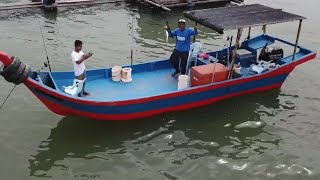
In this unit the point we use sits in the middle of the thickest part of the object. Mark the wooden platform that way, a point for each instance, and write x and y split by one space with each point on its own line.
167 4
59 3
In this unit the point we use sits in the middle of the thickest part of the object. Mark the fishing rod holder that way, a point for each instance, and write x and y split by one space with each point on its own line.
45 64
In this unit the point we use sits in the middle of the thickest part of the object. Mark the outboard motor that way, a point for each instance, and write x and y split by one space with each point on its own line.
271 54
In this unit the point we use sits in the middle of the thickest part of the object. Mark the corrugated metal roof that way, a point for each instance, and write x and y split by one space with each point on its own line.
228 18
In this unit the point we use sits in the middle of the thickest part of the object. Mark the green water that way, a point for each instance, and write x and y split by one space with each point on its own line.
203 143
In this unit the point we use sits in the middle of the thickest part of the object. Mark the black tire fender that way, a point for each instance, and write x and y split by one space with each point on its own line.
11 69
13 77
23 76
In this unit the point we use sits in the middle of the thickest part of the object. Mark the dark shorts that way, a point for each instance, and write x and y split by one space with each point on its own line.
179 60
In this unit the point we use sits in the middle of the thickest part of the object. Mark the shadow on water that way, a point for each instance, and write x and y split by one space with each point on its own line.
201 128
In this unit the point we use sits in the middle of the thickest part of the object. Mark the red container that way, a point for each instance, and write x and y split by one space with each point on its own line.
203 74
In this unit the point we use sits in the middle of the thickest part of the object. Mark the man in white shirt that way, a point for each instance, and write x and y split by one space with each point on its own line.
78 58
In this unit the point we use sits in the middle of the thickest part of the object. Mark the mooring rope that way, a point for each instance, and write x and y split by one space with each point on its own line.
4 102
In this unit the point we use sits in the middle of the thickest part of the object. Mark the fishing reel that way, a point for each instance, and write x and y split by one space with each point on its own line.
45 64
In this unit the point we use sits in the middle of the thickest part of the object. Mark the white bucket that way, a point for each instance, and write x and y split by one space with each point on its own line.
237 69
126 75
183 81
116 73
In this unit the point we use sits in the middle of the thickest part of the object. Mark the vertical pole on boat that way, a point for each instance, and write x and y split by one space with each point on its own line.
194 37
214 67
131 54
229 48
297 40
264 29
235 52
249 33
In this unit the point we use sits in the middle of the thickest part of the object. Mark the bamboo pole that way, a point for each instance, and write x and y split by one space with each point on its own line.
235 52
214 67
297 40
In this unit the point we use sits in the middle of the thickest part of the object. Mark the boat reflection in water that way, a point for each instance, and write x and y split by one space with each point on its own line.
79 145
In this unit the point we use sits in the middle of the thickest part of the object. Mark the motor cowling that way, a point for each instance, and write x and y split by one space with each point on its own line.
271 54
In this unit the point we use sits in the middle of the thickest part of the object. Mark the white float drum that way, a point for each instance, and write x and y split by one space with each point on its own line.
126 75
116 73
183 81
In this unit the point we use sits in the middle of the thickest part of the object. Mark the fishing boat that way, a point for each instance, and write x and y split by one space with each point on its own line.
152 90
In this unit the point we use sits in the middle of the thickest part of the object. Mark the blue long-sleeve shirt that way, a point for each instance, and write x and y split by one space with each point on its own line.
183 38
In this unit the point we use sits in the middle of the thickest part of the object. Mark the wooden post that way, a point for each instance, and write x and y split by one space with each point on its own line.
297 40
235 52
264 29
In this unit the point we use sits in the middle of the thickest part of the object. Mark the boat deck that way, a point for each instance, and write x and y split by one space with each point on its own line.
144 84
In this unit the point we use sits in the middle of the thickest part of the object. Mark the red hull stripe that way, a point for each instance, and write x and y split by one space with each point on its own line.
62 110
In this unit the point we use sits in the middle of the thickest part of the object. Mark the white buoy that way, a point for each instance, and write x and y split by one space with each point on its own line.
116 73
126 75
183 81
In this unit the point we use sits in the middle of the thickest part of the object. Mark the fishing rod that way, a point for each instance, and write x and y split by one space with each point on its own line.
131 55
45 48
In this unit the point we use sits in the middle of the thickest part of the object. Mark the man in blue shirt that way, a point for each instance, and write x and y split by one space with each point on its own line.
182 48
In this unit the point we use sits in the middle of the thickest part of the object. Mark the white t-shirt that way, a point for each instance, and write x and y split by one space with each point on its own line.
78 68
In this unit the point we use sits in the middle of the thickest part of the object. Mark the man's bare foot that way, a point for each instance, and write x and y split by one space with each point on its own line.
86 93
